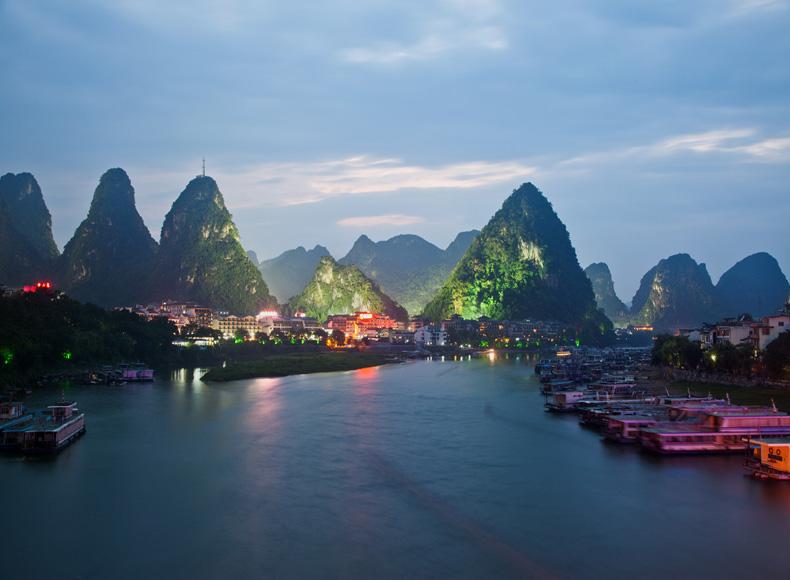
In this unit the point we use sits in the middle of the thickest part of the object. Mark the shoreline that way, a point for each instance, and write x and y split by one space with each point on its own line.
283 365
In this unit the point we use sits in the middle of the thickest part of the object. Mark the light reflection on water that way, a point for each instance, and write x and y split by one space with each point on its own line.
425 469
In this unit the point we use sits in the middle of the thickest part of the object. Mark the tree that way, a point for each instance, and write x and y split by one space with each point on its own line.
241 334
777 357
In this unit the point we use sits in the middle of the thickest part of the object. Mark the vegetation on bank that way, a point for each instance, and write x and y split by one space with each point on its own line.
281 365
753 395
50 333
725 359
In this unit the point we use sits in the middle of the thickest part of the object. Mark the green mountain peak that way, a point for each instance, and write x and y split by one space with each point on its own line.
201 257
339 289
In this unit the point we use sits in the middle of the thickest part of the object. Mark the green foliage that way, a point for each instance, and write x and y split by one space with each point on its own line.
295 363
676 352
201 257
777 357
337 289
407 267
289 273
41 333
522 265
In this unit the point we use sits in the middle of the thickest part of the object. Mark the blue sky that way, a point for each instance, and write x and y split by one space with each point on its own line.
653 127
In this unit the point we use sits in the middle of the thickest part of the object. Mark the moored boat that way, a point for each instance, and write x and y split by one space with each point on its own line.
769 459
47 431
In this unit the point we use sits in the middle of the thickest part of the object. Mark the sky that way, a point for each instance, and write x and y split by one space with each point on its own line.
653 127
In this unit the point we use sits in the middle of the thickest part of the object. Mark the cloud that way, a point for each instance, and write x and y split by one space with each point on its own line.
743 143
455 25
369 221
286 184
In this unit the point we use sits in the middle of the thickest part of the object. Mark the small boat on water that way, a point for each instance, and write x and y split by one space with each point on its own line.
769 459
47 431
136 373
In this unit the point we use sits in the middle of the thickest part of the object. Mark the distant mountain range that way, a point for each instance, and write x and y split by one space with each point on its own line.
678 292
289 273
407 267
521 265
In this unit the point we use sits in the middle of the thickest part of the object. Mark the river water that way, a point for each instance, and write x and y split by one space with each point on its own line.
427 469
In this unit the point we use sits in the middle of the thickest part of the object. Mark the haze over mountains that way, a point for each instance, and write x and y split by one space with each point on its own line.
521 265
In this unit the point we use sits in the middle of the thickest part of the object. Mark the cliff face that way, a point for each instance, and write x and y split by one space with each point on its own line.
110 258
20 261
407 267
677 292
201 257
605 295
338 289
289 273
756 285
522 265
28 213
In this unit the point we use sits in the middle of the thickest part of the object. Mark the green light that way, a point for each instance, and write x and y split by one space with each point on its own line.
578 342
238 340
7 355
67 355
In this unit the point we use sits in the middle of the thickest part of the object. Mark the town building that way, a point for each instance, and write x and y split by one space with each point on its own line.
430 336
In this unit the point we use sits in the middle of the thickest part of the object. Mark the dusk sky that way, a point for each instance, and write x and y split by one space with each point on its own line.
653 127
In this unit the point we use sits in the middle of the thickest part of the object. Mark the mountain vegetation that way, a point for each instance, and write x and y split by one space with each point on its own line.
24 204
522 265
605 295
755 285
201 257
407 267
109 260
677 292
289 273
41 333
339 289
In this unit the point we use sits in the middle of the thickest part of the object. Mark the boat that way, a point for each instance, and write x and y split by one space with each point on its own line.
769 459
45 432
724 430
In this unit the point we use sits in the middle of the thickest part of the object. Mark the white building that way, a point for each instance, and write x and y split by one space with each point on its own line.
430 336
771 327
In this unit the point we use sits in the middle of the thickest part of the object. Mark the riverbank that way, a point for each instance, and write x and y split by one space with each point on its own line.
296 364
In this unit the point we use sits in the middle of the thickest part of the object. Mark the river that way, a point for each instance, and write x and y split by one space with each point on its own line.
427 469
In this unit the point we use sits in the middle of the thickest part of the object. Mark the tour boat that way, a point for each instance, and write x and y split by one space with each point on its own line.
47 431
724 430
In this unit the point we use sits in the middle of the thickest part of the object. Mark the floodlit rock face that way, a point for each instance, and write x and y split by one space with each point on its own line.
756 285
676 293
29 215
110 258
338 289
289 273
522 265
605 295
201 257
407 267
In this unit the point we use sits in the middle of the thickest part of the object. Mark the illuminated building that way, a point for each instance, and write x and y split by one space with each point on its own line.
430 336
362 325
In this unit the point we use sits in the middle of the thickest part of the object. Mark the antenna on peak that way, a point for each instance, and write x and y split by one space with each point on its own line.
204 167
